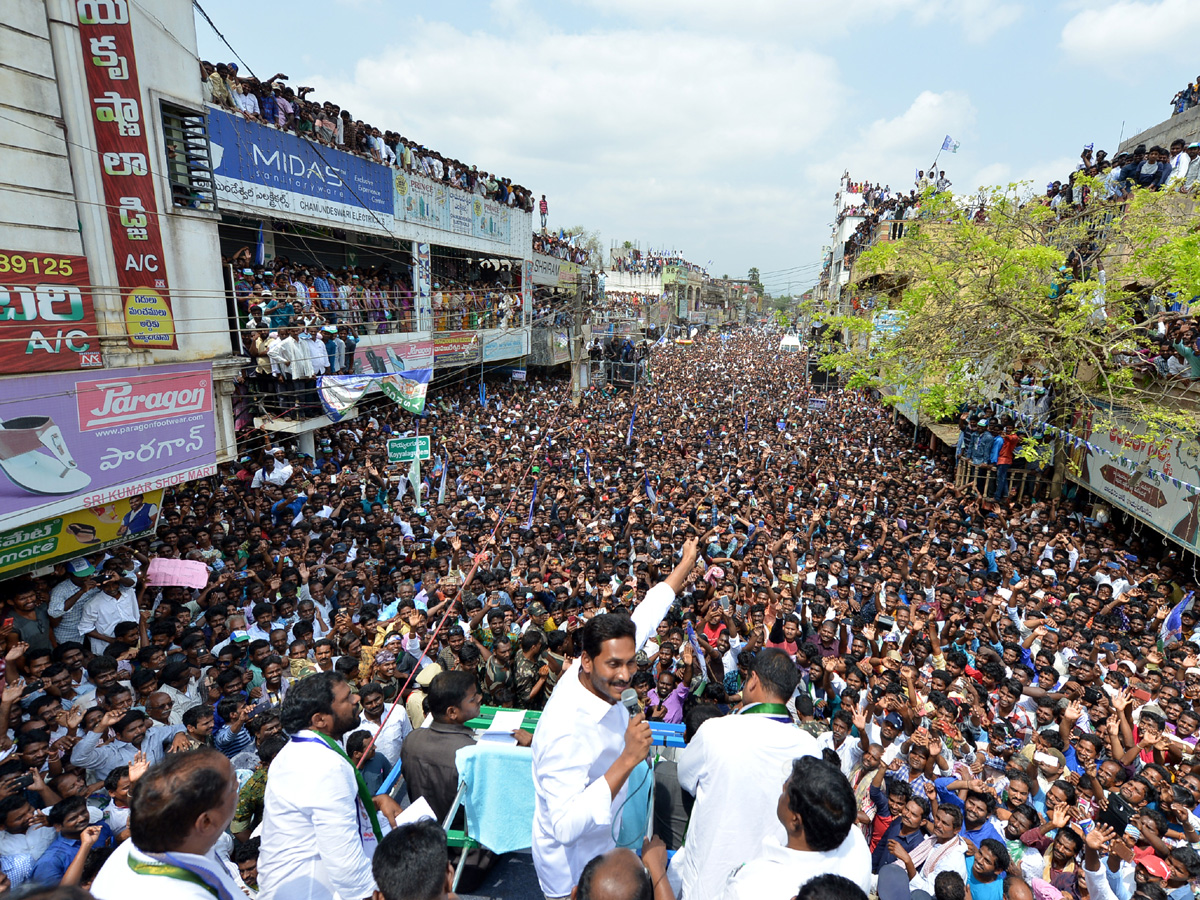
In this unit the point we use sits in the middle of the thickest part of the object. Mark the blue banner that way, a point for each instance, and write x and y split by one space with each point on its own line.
264 168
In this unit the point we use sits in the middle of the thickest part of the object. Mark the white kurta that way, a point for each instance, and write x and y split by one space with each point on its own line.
850 753
395 730
735 767
578 737
313 845
116 881
777 872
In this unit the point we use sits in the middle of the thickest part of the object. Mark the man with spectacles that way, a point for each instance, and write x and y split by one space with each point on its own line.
158 707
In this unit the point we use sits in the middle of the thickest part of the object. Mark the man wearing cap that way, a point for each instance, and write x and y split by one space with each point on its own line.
335 349
1148 869
538 618
70 597
1192 174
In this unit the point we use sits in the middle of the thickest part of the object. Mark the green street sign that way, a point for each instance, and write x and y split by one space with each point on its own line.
402 450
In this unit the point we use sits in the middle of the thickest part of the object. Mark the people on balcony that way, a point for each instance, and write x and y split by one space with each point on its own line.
272 102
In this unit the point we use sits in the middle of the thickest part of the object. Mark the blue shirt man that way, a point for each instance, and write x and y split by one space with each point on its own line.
977 809
69 817
981 453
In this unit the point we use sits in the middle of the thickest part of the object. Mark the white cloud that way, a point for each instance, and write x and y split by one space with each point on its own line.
1119 33
889 151
979 19
1037 174
674 138
772 20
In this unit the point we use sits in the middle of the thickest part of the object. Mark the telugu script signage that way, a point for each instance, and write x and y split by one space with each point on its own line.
88 439
265 168
75 534
402 450
456 348
115 98
47 321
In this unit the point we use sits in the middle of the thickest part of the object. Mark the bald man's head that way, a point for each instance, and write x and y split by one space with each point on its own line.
1017 889
615 875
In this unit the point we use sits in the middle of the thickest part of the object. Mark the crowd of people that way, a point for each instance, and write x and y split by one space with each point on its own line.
884 207
302 320
562 246
652 262
622 305
1155 168
274 103
1186 98
283 293
887 683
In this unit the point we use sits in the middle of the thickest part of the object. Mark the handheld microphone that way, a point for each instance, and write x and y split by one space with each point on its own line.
630 701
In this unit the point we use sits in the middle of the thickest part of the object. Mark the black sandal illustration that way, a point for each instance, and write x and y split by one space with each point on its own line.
23 441
85 534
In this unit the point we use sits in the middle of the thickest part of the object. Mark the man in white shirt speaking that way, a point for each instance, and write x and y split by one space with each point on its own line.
586 745
732 767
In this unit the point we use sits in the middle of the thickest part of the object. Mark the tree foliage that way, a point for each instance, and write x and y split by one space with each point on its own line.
1072 298
755 282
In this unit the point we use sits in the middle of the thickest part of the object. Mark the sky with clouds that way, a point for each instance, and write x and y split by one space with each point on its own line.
721 129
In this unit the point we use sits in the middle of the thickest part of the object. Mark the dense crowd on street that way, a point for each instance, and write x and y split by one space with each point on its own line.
274 103
886 683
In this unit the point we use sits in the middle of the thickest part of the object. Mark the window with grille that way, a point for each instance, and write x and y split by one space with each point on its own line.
189 163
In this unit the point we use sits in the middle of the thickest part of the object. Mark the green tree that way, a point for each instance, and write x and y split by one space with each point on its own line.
755 282
1071 298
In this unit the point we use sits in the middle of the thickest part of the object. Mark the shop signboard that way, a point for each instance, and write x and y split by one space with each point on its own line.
568 273
87 439
47 321
500 343
262 168
1155 481
456 348
545 270
79 533
397 355
126 176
